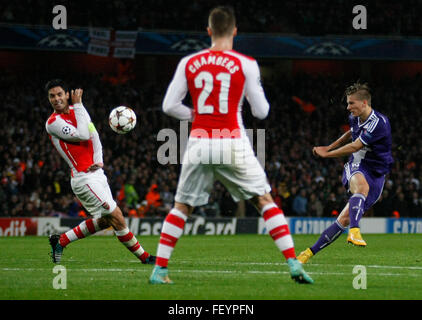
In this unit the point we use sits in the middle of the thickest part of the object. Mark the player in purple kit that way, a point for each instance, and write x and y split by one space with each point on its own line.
364 174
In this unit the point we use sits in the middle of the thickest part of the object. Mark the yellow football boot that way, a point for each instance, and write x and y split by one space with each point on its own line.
355 238
305 256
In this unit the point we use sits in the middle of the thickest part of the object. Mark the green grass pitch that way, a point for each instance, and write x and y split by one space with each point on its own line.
238 267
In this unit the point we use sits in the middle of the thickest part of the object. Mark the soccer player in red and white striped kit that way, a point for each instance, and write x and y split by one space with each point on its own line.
217 79
74 136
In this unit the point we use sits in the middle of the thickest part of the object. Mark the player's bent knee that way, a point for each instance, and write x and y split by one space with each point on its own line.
104 222
184 208
117 221
361 190
261 201
358 184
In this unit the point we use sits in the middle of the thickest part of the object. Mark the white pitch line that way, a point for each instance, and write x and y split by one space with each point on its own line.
283 263
368 266
207 271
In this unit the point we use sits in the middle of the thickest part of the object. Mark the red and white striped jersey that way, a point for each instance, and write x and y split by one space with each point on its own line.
75 138
217 82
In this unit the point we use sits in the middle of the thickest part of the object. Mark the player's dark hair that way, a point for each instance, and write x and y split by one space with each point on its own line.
361 90
56 83
222 21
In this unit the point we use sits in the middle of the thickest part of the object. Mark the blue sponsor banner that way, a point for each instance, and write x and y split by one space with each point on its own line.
256 45
309 225
404 225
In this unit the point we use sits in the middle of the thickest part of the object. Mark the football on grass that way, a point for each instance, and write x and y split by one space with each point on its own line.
122 119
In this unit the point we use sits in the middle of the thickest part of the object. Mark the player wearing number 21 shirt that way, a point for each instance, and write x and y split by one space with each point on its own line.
218 79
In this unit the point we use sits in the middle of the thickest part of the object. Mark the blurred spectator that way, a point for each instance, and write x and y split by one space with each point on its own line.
212 208
384 206
131 196
415 205
401 205
229 206
332 206
285 197
31 210
142 210
276 196
167 197
74 207
154 201
316 208
300 203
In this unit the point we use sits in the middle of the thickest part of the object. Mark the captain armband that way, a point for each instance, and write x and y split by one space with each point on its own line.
91 128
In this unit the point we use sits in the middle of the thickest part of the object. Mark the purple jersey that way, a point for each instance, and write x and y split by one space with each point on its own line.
375 134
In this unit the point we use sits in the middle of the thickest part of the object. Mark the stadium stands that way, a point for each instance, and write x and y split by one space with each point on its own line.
292 16
35 181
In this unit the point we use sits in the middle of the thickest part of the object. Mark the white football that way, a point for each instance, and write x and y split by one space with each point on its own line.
122 119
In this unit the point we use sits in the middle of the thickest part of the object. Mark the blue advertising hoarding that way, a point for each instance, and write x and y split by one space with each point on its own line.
404 225
257 45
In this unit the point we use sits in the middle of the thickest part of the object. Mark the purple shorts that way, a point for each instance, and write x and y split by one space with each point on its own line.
375 182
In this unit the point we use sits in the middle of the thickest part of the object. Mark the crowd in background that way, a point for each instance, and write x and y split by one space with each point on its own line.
387 17
35 181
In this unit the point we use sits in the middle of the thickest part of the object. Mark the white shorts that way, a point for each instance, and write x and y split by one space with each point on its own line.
94 193
230 161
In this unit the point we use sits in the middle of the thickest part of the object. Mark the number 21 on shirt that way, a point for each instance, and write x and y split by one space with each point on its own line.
205 81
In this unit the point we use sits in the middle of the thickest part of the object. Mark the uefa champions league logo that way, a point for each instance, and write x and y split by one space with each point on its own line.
66 130
189 45
328 49
60 40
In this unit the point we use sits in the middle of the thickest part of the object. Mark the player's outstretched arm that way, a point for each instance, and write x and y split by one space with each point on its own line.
77 95
81 115
322 150
346 150
86 123
345 138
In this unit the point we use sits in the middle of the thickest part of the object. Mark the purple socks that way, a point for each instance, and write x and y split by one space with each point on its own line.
328 236
356 209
